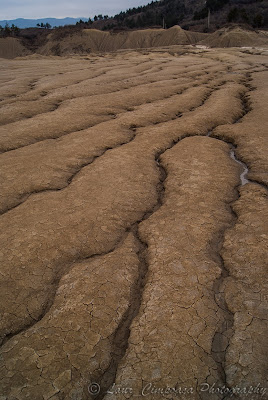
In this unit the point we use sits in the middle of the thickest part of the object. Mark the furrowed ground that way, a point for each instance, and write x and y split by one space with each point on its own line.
133 257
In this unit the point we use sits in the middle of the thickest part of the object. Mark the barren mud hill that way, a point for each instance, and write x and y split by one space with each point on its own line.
11 48
95 40
91 40
134 225
235 37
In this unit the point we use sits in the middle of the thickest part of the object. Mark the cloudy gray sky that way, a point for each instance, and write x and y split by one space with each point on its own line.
10 9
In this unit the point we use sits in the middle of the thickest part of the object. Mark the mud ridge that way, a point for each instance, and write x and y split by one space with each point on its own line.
246 104
55 284
56 281
160 189
122 333
134 308
61 101
120 340
86 127
222 337
218 344
121 337
73 176
133 128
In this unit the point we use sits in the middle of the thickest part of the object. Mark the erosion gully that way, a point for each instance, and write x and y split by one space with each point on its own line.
121 336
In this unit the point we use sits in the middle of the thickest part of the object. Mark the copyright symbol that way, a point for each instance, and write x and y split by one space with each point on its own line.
94 389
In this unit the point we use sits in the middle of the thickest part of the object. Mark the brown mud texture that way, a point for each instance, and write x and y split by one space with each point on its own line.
133 256
87 41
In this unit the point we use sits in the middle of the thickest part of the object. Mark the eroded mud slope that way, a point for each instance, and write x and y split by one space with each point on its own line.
133 261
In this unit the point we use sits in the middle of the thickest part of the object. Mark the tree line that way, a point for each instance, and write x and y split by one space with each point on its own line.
8 31
45 26
168 13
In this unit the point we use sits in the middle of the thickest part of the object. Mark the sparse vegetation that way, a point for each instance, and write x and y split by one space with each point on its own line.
241 15
158 14
8 31
42 25
171 12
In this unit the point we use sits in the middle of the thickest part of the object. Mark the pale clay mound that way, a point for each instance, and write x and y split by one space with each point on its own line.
132 260
236 37
92 40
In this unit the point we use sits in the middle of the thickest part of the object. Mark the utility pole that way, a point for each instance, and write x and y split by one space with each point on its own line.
208 22
208 17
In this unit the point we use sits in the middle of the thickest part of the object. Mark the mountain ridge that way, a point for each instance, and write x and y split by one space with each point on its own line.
196 15
23 23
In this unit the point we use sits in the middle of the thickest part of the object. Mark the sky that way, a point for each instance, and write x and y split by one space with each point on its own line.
11 9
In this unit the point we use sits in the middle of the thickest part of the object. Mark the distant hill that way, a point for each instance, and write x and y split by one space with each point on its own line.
92 40
194 15
31 23
198 15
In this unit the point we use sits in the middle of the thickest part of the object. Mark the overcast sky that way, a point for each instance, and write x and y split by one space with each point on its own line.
11 9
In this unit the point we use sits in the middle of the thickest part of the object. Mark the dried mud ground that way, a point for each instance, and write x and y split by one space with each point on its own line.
133 256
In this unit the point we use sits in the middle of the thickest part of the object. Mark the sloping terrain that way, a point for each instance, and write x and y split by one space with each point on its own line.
190 14
11 48
235 37
92 40
133 257
87 41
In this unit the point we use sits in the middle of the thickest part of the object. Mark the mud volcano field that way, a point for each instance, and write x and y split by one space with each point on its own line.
134 225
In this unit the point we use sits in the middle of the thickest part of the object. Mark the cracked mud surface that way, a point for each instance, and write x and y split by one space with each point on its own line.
132 255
